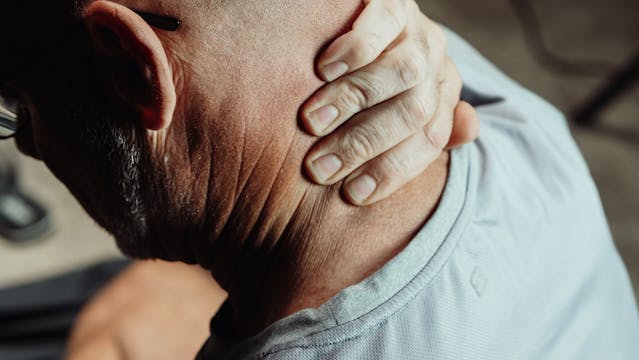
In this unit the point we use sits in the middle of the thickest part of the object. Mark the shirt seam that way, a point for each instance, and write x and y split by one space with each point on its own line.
466 208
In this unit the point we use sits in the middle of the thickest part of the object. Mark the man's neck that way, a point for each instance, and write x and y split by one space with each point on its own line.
324 246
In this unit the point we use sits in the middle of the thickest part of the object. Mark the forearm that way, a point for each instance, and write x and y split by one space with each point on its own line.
132 316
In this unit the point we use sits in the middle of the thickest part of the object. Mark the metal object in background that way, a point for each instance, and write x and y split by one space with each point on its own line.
8 121
22 219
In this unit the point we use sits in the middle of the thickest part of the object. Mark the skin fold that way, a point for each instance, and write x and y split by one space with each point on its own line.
187 146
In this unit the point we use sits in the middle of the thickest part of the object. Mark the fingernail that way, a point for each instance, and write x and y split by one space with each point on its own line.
361 188
334 70
327 166
323 117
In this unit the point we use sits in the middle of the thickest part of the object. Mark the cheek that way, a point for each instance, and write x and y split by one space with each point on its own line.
59 150
51 139
75 138
53 131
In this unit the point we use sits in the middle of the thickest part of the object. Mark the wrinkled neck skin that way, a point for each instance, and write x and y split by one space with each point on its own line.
240 204
273 240
293 245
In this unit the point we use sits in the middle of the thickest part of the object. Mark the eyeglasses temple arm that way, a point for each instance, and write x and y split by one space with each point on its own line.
166 23
7 119
7 123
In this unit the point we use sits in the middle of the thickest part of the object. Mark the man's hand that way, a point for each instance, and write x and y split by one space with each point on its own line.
392 75
153 310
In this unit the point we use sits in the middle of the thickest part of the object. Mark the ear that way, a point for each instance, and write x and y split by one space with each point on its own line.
137 60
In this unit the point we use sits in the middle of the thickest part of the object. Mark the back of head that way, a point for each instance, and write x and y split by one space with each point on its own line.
240 70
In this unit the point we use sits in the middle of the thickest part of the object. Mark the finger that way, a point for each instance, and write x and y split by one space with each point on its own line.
465 126
395 72
386 174
380 178
439 129
379 24
375 131
371 133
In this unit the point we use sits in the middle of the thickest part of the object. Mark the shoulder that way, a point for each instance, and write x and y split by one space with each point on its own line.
523 139
538 230
520 113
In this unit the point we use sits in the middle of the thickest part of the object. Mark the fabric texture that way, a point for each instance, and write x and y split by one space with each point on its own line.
516 263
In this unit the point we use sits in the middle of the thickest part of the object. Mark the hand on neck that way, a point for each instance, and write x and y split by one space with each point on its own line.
306 251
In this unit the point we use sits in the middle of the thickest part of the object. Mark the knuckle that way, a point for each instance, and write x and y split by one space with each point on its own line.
440 36
361 92
436 139
394 167
414 113
434 42
367 48
423 44
395 10
452 76
411 69
358 146
353 95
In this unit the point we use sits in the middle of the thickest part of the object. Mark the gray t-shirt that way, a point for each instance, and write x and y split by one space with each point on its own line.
516 263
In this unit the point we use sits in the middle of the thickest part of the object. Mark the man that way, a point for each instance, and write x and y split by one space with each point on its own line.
478 257
381 23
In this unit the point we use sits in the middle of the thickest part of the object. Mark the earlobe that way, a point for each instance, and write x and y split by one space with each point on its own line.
137 59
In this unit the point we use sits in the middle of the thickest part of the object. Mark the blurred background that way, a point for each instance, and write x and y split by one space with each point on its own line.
566 51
